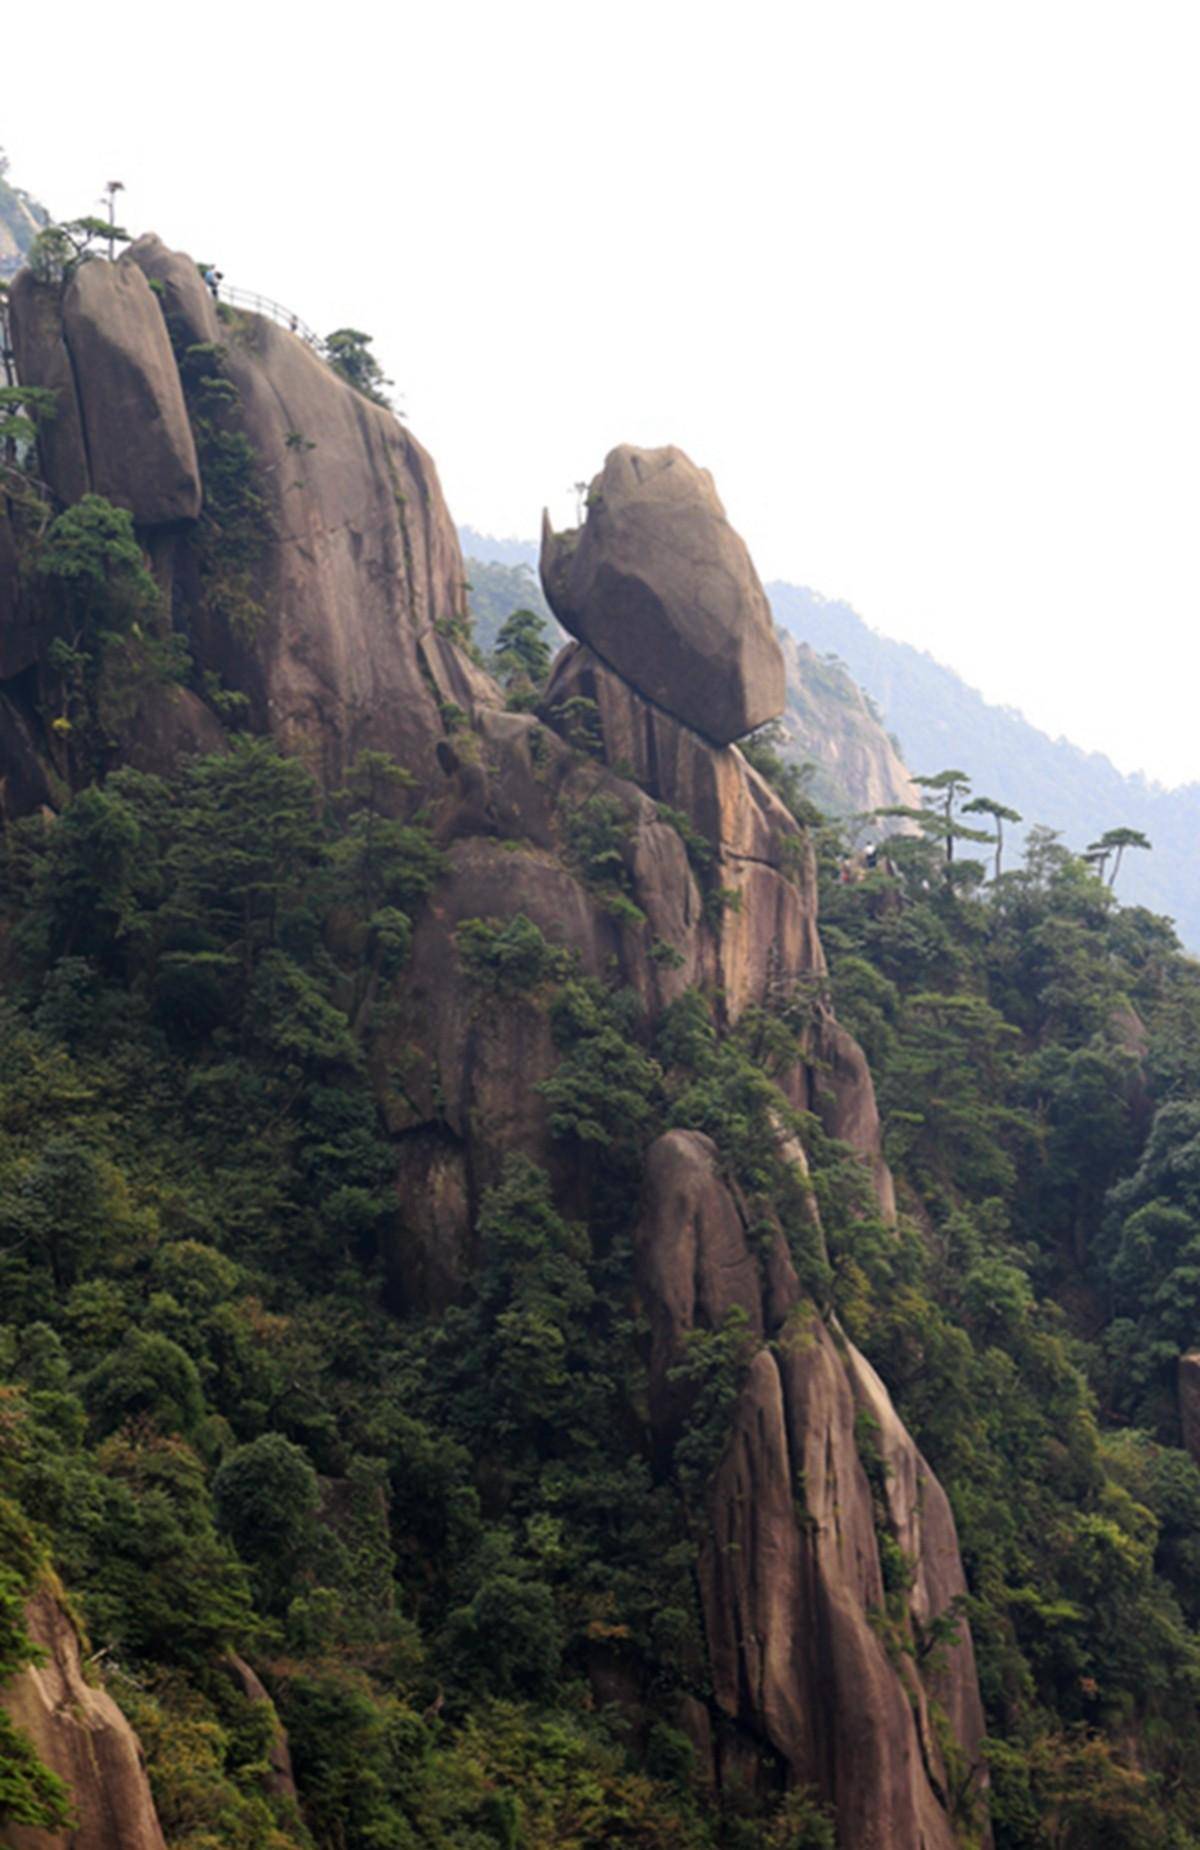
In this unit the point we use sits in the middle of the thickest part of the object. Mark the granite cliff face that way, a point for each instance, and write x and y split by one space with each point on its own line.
80 1734
329 617
828 722
355 584
790 1575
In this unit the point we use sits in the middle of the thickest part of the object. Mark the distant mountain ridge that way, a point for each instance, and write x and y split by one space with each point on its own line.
21 218
940 721
937 720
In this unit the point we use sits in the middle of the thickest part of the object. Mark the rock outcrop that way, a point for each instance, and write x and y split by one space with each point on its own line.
80 1734
121 426
280 1778
792 1585
140 448
334 613
36 325
661 587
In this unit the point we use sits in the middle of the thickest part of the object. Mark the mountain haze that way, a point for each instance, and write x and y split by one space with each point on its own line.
940 721
21 218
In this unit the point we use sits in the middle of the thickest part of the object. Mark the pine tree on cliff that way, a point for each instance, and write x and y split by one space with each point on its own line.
1115 841
1000 814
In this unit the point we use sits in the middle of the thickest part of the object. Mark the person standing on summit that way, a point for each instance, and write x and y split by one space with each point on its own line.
212 277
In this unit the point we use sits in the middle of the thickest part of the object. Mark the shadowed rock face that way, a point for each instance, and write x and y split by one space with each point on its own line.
662 588
121 428
42 359
80 1734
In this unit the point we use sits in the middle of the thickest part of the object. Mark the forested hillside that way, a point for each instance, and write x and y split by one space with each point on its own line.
1036 1048
482 1362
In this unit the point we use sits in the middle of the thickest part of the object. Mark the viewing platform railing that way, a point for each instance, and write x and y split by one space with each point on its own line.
263 305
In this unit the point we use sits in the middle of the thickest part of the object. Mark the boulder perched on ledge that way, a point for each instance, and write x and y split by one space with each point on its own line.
660 586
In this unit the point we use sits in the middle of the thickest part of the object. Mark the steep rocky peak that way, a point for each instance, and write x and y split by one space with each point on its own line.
327 594
21 218
657 582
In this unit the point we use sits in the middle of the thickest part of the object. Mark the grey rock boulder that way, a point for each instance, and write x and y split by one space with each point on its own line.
660 586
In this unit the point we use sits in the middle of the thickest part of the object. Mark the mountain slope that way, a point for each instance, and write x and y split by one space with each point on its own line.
21 218
364 1033
941 721
830 724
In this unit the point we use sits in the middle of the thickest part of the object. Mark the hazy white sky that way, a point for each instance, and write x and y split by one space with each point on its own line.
918 282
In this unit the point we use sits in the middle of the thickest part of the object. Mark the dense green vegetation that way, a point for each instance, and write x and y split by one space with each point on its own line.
1035 1049
437 1535
215 1418
231 1436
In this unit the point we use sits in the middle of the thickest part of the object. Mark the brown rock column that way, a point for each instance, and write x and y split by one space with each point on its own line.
43 360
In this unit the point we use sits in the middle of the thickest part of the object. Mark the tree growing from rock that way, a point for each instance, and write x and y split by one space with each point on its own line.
348 351
522 658
59 249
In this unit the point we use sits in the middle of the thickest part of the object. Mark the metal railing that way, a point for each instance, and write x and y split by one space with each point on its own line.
275 311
